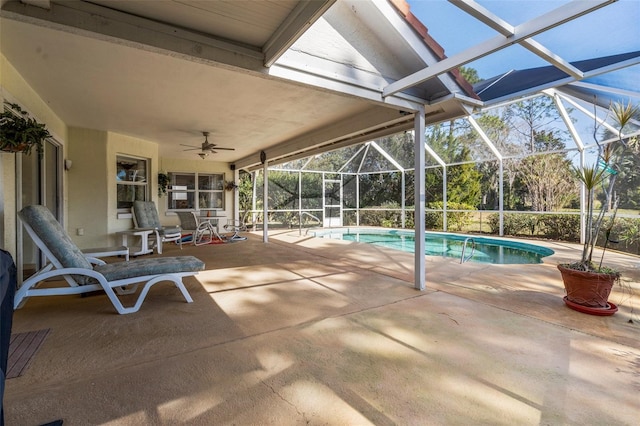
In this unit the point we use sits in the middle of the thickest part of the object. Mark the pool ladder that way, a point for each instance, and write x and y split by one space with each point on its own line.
464 249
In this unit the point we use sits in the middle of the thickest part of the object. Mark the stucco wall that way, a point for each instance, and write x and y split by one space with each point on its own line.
14 88
191 166
88 187
126 145
90 184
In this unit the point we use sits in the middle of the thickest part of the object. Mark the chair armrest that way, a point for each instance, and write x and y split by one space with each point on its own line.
95 260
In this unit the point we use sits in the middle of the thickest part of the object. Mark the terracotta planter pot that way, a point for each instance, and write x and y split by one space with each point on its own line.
14 149
587 288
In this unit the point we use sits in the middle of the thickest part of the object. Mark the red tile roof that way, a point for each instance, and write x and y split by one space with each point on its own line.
405 10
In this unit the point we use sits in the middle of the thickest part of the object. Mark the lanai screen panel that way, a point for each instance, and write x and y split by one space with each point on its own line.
400 147
375 162
535 125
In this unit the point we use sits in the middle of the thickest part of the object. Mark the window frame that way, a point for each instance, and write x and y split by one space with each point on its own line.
194 185
132 180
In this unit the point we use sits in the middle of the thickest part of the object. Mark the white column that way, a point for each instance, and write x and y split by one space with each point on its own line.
236 197
444 199
265 202
299 203
403 216
358 199
419 142
501 201
583 204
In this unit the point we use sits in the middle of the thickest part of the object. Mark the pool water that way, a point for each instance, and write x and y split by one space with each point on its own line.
487 250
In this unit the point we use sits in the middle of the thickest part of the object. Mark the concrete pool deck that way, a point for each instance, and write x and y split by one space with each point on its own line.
317 331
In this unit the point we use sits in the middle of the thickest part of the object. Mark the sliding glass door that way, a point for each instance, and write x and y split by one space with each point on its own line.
39 181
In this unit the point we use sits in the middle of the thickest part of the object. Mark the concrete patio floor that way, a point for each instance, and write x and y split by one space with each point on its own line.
315 331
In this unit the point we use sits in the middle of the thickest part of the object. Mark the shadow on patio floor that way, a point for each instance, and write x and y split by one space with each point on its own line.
312 331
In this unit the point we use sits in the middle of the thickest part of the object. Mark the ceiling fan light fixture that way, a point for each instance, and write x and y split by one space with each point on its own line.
206 147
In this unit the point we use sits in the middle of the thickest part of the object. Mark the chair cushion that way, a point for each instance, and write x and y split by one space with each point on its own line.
170 231
146 214
187 220
155 266
54 237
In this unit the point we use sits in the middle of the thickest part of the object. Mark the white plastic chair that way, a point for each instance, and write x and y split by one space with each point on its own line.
145 216
202 231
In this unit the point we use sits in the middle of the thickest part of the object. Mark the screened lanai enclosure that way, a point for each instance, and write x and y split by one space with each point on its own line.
506 169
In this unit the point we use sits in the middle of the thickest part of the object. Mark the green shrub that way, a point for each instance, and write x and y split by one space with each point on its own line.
560 226
627 232
514 224
456 221
391 218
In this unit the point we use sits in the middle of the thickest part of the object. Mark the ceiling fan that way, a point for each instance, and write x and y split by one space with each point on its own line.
206 147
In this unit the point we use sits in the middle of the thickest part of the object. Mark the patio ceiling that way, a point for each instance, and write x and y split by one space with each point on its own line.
166 71
290 78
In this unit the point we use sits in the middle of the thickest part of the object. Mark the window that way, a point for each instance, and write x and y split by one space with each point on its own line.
196 191
132 185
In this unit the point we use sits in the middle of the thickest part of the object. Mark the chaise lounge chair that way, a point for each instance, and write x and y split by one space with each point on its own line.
68 262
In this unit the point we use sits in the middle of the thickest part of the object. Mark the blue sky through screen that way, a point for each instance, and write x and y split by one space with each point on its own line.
611 30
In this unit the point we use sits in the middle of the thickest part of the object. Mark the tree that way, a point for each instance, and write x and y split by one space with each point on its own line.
549 182
529 118
531 125
470 74
463 180
547 177
628 153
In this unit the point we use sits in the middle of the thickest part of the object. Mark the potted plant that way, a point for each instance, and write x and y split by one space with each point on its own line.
163 183
230 185
19 132
588 285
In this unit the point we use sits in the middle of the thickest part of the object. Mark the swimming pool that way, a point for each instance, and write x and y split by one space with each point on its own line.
487 250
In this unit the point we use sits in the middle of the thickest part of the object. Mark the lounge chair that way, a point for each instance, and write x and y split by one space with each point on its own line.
145 216
202 231
66 261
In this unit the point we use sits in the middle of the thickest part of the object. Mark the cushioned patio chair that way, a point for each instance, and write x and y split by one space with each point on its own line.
145 216
202 231
84 274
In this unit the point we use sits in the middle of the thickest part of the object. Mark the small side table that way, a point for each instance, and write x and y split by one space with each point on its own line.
143 248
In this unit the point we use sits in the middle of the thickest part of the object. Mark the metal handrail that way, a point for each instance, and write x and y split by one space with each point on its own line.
300 221
464 248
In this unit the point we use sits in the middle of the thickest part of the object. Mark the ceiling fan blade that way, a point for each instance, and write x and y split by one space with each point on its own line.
226 149
192 149
190 146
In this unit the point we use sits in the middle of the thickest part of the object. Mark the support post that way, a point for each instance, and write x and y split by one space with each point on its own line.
445 225
403 216
265 202
236 196
501 201
583 203
419 147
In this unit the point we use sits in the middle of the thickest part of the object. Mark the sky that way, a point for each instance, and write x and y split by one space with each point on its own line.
611 30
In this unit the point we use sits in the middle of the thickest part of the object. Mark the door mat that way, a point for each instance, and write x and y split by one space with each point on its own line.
22 348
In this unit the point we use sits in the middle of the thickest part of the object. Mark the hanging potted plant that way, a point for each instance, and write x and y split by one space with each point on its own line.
163 183
19 132
587 284
230 185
